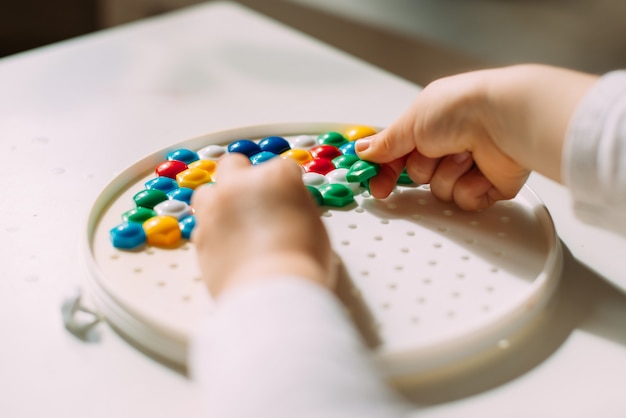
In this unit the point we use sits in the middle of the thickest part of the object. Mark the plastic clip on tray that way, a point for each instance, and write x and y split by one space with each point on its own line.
436 286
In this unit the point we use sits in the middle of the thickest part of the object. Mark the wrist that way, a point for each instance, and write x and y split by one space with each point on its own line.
288 263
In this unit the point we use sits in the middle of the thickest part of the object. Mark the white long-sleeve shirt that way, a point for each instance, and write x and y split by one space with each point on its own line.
594 154
283 347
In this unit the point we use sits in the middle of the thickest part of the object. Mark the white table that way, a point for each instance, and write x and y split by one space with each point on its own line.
75 113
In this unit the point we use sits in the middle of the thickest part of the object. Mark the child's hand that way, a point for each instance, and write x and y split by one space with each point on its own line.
257 222
475 137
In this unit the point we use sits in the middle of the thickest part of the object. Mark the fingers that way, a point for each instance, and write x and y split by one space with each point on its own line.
231 164
385 181
448 172
389 144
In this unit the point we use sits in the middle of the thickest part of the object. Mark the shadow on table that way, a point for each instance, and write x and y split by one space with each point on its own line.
583 301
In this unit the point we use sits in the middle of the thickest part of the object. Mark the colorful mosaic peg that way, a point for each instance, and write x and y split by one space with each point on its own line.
316 194
162 231
404 178
165 184
336 194
274 144
304 142
358 132
174 208
187 225
325 151
301 156
348 148
262 157
332 138
212 152
207 165
193 177
138 215
339 175
128 236
314 179
182 193
345 160
170 168
148 198
185 155
362 171
245 147
319 165
162 217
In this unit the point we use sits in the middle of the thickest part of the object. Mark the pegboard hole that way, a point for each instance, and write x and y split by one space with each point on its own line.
345 242
416 217
410 233
474 223
404 250
327 214
399 267
150 251
359 210
378 238
352 226
371 255
437 245
443 229
448 212
422 202
392 206
137 270
384 221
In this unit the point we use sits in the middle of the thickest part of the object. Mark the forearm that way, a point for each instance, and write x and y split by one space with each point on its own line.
532 106
285 348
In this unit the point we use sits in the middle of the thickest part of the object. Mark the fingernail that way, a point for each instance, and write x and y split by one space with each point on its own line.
362 144
461 157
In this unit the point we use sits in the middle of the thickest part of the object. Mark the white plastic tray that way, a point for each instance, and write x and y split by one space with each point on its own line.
430 285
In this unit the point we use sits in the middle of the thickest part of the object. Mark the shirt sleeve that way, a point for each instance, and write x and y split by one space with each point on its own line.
285 347
594 154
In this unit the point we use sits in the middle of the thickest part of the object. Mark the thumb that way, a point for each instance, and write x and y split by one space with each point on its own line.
388 145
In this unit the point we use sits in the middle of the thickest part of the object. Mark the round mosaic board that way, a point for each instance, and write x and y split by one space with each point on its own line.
429 285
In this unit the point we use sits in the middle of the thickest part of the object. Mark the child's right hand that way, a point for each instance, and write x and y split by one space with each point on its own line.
259 222
475 137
